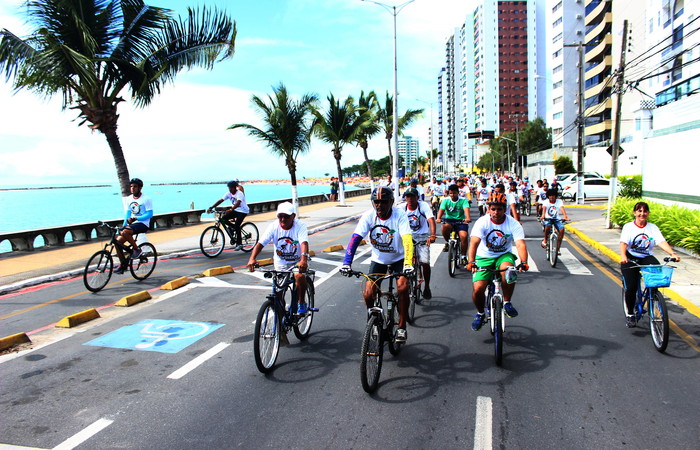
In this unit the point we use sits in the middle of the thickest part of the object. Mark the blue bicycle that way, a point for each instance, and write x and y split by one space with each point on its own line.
651 301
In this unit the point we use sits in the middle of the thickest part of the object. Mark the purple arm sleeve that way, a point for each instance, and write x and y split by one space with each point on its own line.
352 248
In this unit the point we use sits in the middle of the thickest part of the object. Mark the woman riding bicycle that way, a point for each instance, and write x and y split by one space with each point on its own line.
637 242
551 209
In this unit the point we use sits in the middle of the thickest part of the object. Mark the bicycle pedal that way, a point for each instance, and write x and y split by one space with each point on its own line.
313 309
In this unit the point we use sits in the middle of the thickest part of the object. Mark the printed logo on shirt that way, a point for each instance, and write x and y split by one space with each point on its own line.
552 211
642 243
382 238
135 208
287 248
497 241
414 220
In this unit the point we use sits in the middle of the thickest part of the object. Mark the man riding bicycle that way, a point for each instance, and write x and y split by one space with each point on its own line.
234 216
422 222
291 240
139 212
490 246
551 208
456 215
392 247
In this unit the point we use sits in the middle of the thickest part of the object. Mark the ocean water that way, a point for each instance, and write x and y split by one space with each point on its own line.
64 205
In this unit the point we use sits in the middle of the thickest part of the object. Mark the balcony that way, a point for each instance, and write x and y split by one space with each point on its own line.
598 29
598 128
599 108
594 13
601 50
599 67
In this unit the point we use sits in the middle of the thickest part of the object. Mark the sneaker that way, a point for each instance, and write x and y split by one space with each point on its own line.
630 322
427 294
238 247
302 309
119 270
401 335
136 253
446 248
544 244
478 322
510 309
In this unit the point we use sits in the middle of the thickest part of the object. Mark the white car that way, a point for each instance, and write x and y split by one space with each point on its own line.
594 187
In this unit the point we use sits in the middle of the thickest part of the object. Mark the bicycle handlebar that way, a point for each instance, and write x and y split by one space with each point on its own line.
358 274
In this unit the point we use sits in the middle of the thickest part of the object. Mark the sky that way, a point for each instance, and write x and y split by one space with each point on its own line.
312 46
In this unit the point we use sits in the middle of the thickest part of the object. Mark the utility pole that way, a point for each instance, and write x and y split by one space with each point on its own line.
517 117
581 122
616 129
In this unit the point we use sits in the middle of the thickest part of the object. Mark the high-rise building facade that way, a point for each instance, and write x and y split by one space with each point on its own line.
409 151
598 104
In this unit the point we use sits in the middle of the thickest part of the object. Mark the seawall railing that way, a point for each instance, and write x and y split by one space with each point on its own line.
25 241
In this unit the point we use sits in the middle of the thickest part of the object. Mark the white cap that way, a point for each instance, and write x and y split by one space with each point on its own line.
285 208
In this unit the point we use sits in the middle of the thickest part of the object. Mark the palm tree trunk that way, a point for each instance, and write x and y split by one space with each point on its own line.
369 168
291 165
119 162
341 186
391 155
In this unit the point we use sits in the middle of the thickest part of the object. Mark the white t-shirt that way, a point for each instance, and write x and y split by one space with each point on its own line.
385 235
439 189
483 193
641 241
418 218
287 242
463 192
540 194
243 207
551 210
496 239
139 206
386 183
511 198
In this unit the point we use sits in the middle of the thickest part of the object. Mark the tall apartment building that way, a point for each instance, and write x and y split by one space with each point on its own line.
565 27
408 150
598 103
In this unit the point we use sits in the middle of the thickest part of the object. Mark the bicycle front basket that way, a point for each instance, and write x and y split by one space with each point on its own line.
659 276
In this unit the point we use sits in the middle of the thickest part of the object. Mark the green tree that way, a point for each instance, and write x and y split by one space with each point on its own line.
490 161
339 125
563 164
287 130
535 136
369 129
91 50
386 121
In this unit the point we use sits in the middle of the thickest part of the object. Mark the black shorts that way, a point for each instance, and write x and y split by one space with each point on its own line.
376 270
138 227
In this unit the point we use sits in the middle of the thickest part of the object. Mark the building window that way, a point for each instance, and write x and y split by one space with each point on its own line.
558 69
557 131
557 116
557 100
556 7
557 38
557 85
556 54
557 22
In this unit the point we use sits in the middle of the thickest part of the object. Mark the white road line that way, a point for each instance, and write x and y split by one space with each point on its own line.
573 265
435 251
187 368
84 435
530 260
483 439
213 282
315 259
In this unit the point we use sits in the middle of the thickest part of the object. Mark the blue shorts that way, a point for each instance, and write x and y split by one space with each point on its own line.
457 225
138 227
558 224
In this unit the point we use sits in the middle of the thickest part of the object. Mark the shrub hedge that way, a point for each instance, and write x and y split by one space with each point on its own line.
680 226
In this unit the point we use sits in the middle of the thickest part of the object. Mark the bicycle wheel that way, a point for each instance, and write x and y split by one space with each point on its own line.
413 293
552 244
303 324
143 266
266 343
528 208
371 354
249 236
391 326
452 258
658 321
497 314
418 270
98 271
212 241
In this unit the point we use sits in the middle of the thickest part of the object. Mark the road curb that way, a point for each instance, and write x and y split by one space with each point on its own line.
334 248
133 299
176 283
670 293
217 271
78 318
11 341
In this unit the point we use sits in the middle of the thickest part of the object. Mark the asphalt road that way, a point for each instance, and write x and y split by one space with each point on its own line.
573 376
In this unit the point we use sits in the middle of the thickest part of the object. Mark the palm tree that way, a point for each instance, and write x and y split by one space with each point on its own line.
91 50
369 104
287 130
340 125
386 121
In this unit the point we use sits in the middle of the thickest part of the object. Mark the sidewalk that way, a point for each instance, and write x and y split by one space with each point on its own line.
43 266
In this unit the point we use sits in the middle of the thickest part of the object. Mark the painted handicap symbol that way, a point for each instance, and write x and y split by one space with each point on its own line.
165 336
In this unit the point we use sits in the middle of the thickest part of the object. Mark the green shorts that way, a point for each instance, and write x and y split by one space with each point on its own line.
491 263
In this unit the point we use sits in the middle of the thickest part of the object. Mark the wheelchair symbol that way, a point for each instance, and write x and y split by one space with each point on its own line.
163 334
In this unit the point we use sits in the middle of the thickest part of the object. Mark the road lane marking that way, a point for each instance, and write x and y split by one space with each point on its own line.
330 262
573 265
84 435
190 366
483 432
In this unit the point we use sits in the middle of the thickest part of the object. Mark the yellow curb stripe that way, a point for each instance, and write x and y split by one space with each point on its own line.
176 283
312 253
334 248
596 245
685 336
676 297
133 299
265 262
15 339
78 318
217 271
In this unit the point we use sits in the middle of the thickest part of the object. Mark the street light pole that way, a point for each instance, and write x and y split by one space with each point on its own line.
430 152
394 11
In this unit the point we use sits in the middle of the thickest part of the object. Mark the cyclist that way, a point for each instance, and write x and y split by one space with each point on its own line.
392 248
483 193
464 191
438 191
551 208
540 195
513 197
139 212
455 210
291 240
414 184
491 242
637 242
237 213
422 222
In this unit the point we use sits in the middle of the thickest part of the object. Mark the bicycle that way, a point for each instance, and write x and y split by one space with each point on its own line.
552 242
275 318
382 324
453 252
526 205
651 301
415 286
212 241
100 266
495 314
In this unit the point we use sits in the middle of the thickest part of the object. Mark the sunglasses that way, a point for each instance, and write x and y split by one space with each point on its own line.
283 216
